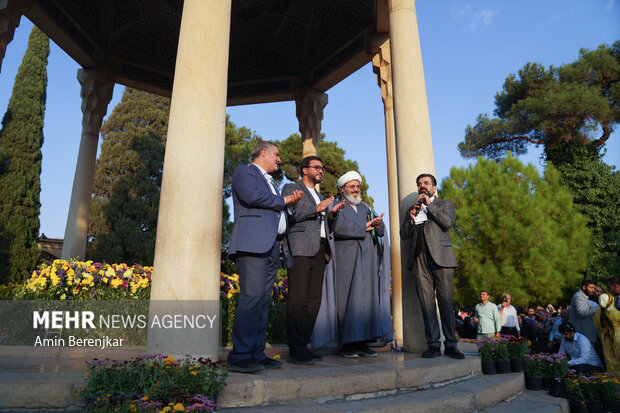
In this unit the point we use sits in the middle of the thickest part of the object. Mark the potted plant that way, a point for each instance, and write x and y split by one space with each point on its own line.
533 372
517 348
486 349
599 391
556 371
502 360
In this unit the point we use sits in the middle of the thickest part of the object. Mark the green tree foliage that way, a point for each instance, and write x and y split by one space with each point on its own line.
333 160
574 102
595 187
239 144
123 216
21 139
515 232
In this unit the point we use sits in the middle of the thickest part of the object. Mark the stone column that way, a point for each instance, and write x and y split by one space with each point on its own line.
97 86
381 66
186 275
414 149
11 12
309 105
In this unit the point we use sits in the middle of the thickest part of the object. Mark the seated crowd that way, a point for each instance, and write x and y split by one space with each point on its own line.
585 330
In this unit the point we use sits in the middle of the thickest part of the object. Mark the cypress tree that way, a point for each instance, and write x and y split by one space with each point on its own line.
123 216
21 138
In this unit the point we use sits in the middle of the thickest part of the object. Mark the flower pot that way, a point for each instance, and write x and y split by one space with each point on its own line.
502 366
533 382
546 383
595 406
611 405
488 367
517 364
576 407
557 387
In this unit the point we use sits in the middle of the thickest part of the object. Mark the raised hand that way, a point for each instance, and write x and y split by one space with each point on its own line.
293 198
324 204
337 208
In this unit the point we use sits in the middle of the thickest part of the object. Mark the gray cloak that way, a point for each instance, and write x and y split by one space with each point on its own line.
355 305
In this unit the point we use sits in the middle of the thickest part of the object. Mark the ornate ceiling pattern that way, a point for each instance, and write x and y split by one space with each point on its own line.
275 45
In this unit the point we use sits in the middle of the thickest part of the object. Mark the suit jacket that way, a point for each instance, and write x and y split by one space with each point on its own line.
440 220
581 315
257 212
305 223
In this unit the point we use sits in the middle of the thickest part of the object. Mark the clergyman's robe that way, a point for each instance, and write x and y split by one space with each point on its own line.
356 277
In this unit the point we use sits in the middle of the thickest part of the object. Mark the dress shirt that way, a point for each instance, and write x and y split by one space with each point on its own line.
488 318
555 333
269 179
508 317
580 351
317 200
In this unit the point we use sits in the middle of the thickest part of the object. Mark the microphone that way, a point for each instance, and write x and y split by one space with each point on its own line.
419 204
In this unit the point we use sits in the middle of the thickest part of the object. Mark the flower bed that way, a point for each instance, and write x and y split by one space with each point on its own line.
152 384
73 280
599 386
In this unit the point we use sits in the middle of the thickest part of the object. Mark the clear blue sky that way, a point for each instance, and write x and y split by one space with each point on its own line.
468 49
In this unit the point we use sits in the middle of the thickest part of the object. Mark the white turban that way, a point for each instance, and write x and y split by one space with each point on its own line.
348 177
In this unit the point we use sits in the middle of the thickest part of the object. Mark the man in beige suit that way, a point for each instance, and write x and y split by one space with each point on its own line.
432 261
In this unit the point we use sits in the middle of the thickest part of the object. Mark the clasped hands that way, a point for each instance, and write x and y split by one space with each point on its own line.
374 223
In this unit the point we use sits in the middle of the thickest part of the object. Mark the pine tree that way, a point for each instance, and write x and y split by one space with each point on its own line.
515 232
333 160
21 139
123 216
595 187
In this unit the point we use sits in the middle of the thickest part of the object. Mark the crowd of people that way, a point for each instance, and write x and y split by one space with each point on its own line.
587 329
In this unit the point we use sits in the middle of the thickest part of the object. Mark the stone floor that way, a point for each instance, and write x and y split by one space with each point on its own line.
43 380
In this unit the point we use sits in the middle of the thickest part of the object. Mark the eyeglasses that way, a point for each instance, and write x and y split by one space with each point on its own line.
317 167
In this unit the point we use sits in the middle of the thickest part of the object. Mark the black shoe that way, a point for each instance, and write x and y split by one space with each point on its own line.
363 350
246 366
315 356
304 360
271 363
349 354
349 351
432 352
454 353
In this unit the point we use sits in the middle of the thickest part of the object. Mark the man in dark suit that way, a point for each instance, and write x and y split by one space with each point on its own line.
309 238
256 243
432 261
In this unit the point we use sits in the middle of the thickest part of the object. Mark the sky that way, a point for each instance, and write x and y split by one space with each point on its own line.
468 50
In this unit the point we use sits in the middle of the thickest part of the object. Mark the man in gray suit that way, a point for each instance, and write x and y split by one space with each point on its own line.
432 261
309 237
582 310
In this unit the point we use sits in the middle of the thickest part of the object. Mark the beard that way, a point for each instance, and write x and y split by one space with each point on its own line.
353 199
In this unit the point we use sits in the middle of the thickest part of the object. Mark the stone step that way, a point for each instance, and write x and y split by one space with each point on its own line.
472 394
531 401
336 378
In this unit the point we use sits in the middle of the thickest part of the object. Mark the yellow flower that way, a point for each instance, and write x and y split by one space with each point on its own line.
62 297
169 360
193 373
179 407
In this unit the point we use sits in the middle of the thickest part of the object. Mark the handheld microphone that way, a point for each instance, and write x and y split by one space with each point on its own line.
419 203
